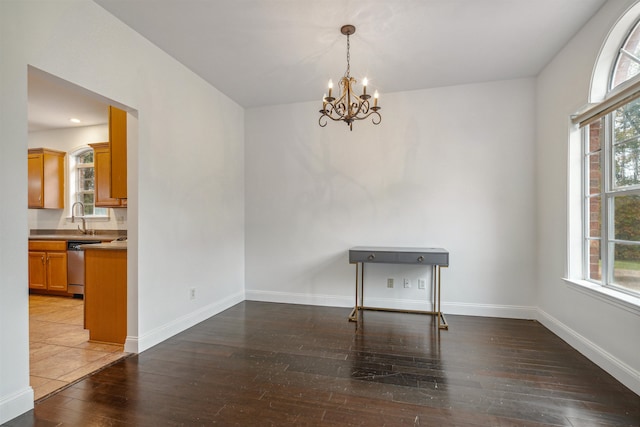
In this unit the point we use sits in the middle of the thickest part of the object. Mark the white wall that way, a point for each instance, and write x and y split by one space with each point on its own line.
70 140
449 167
604 331
186 213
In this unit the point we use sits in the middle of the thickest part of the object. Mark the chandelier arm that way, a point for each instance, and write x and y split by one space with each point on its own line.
373 120
360 109
335 119
331 109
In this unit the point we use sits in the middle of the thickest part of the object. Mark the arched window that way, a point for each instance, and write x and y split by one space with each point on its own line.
611 176
627 63
82 179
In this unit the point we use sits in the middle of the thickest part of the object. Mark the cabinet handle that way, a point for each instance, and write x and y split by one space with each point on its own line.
420 258
372 256
42 259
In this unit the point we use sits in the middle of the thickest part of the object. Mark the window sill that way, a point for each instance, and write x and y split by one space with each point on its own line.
619 299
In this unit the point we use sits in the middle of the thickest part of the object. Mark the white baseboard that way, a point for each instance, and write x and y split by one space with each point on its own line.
299 298
490 310
467 309
16 404
617 368
159 334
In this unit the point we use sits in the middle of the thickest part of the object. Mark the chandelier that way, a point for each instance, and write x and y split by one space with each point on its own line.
349 107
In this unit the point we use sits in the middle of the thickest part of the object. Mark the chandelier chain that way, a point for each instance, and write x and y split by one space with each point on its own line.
348 58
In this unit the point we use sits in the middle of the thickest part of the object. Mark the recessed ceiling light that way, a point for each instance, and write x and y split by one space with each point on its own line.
74 120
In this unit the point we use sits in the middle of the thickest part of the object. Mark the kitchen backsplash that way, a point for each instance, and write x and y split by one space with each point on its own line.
56 219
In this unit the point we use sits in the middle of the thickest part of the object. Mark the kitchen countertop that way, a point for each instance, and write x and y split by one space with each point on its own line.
104 235
111 246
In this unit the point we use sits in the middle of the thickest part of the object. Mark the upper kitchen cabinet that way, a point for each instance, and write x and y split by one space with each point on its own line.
118 152
46 178
102 171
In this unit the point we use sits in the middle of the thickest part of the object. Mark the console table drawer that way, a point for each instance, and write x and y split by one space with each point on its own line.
373 256
426 256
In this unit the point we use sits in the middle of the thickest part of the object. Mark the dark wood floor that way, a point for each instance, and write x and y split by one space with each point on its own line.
278 364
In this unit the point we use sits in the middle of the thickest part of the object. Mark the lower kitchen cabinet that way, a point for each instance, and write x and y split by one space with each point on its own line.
105 295
48 265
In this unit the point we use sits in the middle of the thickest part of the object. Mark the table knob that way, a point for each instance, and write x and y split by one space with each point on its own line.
371 256
420 258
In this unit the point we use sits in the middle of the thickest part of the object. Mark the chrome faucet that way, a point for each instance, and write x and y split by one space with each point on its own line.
83 230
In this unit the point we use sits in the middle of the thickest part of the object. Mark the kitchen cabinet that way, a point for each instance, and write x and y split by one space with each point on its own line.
105 294
102 174
118 151
48 265
46 178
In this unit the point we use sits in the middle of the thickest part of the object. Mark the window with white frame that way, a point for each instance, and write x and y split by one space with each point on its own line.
83 183
611 178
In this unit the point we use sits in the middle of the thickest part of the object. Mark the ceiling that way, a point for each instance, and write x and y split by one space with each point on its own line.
267 52
53 101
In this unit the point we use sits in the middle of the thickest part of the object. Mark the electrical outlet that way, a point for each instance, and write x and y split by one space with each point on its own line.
422 283
407 283
192 293
389 283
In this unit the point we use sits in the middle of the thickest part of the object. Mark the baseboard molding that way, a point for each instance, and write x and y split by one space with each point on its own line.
490 310
159 334
299 298
617 368
16 404
467 309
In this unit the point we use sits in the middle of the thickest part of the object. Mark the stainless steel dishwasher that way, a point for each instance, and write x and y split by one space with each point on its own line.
75 266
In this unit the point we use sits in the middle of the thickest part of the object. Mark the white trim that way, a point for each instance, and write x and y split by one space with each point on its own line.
490 310
16 404
623 94
299 298
466 309
618 299
166 331
603 68
614 366
131 345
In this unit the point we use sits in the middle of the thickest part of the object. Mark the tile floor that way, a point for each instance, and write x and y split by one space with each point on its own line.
59 349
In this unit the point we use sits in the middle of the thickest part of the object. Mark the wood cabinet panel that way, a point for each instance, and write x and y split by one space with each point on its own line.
118 150
46 178
35 167
102 171
47 245
57 271
105 295
37 270
48 265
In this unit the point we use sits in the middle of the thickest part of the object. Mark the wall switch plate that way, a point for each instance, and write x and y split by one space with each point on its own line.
422 283
192 293
407 283
389 283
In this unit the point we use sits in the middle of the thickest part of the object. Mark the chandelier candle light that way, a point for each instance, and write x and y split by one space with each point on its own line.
349 106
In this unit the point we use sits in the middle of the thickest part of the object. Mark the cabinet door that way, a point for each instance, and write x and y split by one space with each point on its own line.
102 170
53 191
46 178
118 150
37 270
57 271
36 166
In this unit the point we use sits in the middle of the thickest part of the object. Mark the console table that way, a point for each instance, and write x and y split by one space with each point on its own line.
434 257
